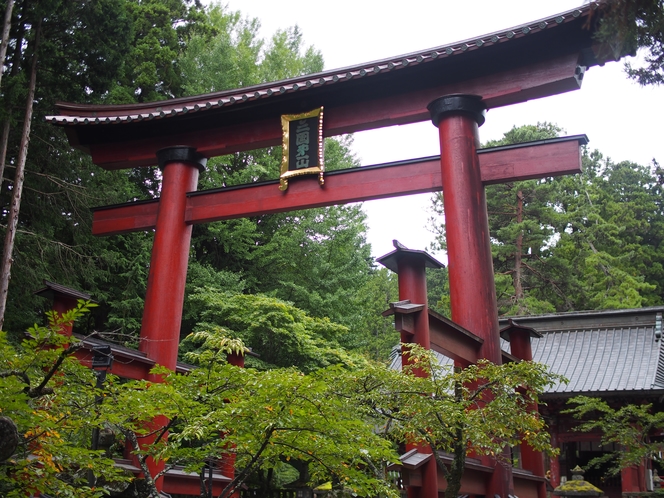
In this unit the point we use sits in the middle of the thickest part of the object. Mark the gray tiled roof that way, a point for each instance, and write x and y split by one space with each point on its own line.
601 352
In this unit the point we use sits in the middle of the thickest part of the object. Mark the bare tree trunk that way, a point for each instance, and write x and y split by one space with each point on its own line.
12 221
3 53
4 143
5 35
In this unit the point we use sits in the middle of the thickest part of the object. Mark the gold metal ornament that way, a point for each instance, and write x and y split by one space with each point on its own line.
302 146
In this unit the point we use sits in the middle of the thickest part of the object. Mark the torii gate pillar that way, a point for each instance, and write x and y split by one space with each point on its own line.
470 266
162 314
160 329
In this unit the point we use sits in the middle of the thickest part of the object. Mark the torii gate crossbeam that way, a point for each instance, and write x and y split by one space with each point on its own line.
498 164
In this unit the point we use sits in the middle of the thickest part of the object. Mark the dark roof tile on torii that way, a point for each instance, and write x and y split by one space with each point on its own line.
534 60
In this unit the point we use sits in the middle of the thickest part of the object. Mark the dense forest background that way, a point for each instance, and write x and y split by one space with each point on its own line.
589 241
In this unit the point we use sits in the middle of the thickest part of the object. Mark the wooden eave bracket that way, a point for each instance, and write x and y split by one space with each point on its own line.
413 459
514 326
404 315
403 307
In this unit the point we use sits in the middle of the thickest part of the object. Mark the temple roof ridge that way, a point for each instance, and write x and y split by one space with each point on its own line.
99 114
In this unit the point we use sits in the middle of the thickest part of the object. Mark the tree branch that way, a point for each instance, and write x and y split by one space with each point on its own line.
241 476
149 481
41 389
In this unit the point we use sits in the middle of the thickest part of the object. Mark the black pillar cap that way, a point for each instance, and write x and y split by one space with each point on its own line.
183 154
466 104
391 260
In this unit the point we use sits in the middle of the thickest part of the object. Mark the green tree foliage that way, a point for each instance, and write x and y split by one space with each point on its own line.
633 428
265 418
83 59
324 422
50 397
465 411
628 25
587 241
610 246
236 57
161 29
317 259
438 291
74 64
278 332
268 418
521 223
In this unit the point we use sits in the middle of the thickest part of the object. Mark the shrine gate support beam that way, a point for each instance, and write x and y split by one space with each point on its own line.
470 264
503 88
552 157
470 267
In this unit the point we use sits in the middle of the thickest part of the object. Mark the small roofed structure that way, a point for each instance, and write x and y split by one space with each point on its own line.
604 353
63 299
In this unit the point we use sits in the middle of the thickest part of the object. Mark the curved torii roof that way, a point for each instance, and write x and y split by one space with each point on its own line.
533 60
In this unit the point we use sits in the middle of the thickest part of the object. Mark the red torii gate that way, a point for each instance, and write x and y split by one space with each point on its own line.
453 85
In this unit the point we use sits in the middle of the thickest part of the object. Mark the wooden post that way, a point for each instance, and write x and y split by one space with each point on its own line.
554 462
63 299
160 330
470 266
410 265
520 347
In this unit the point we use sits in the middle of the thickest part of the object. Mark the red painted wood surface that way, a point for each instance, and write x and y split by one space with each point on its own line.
162 313
518 163
462 346
535 80
525 486
125 218
127 363
123 366
184 483
554 461
470 264
413 287
61 305
531 460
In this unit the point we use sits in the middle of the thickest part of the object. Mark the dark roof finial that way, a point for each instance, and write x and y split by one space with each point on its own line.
398 245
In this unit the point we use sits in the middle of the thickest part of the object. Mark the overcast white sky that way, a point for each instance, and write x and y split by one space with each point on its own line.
621 119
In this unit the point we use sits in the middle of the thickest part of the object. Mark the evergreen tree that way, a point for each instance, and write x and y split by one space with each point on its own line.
628 25
318 259
609 251
586 241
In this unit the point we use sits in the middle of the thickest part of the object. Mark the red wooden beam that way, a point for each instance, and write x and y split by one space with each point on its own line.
498 164
531 81
452 340
125 218
127 363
